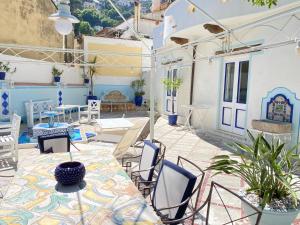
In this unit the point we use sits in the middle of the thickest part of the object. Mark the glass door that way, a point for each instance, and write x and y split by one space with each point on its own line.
234 97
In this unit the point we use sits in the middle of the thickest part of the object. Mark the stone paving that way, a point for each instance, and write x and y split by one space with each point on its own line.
198 148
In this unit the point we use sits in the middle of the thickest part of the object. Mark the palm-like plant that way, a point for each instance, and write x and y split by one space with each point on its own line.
5 67
267 168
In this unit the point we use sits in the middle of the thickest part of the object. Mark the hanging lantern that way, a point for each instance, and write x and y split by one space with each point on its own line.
63 18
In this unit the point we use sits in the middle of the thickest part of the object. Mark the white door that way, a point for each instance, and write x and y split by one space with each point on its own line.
234 96
171 95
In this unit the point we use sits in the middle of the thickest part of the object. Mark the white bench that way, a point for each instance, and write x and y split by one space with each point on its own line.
35 110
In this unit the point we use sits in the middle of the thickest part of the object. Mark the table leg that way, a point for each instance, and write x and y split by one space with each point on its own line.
188 115
78 113
64 111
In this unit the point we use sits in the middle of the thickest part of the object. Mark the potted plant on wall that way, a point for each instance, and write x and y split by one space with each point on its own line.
86 79
56 73
6 68
137 86
172 85
91 74
269 171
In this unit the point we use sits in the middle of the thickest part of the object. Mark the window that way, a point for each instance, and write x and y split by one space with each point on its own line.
229 78
243 82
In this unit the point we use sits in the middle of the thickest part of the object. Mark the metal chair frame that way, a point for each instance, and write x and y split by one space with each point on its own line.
191 206
135 175
208 202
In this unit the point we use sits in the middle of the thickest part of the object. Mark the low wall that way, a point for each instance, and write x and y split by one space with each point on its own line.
102 89
21 94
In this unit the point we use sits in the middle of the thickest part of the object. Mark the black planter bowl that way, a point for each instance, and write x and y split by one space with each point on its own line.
69 173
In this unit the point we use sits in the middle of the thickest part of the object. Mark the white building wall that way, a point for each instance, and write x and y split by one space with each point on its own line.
33 71
184 71
269 69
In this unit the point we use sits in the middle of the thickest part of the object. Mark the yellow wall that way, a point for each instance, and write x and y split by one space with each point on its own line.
134 61
25 22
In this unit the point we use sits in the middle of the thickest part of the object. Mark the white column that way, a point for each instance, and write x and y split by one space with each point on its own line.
152 75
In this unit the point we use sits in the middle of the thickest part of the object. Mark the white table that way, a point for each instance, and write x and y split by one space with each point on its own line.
189 109
63 108
111 126
114 123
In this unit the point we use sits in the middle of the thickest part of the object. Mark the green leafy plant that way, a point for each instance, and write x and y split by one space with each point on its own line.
172 85
137 86
56 72
5 67
267 168
268 3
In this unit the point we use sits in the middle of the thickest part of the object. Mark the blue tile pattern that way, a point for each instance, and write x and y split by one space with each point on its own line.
5 103
60 98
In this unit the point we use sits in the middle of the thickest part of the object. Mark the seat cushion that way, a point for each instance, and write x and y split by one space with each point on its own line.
148 159
174 185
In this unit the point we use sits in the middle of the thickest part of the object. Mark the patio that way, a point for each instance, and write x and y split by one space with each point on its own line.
178 142
130 124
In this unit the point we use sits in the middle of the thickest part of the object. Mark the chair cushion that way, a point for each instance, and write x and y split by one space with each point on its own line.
174 185
58 143
148 159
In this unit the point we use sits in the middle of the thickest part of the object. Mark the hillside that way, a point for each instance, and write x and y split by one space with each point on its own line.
97 14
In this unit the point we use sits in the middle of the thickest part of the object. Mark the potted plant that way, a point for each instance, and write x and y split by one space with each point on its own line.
86 78
268 169
5 68
172 85
137 86
91 74
56 73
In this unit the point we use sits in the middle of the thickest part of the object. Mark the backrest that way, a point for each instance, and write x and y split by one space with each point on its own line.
174 185
16 122
114 96
94 105
58 143
148 160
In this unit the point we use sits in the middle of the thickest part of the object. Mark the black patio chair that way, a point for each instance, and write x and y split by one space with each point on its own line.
54 143
142 167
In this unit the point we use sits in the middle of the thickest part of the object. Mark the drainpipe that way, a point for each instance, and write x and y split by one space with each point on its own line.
193 77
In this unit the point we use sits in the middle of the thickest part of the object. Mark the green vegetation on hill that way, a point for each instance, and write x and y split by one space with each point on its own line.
91 18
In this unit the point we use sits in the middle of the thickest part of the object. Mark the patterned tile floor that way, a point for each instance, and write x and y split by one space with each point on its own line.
198 148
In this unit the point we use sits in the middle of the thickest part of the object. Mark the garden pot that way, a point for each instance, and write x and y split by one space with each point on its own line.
172 119
86 81
2 75
272 217
138 100
90 97
57 79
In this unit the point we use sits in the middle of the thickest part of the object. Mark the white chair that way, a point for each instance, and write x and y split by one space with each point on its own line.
9 139
93 109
